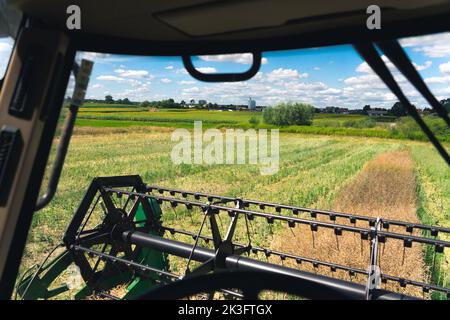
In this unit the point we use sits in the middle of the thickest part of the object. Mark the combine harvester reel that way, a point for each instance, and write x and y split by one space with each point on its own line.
122 236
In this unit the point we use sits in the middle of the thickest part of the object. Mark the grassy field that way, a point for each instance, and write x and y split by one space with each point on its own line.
323 124
315 171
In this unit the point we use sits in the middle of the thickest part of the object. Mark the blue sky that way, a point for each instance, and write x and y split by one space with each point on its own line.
333 76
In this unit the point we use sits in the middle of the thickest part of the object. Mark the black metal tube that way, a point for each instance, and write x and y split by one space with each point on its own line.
59 160
169 246
343 289
61 152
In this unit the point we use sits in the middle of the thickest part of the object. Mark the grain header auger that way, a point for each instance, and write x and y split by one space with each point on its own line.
132 236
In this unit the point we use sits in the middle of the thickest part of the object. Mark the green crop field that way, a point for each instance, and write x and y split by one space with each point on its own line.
313 170
103 115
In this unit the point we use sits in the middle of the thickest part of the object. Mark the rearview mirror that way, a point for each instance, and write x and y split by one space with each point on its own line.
223 77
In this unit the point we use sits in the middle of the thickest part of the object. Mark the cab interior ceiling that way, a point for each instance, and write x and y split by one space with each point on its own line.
177 27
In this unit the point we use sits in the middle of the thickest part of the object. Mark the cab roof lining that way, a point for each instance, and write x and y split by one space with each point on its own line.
216 26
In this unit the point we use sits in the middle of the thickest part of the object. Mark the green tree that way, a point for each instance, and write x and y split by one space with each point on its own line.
109 99
145 104
286 114
398 110
446 104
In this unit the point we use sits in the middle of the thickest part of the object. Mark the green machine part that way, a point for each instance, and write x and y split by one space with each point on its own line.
149 257
36 285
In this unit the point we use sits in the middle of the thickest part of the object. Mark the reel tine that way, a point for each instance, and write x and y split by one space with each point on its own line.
220 221
248 234
174 211
337 233
362 247
379 257
291 225
403 256
433 264
313 228
189 209
407 243
292 231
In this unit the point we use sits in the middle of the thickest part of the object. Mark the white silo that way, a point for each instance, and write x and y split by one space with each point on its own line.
251 104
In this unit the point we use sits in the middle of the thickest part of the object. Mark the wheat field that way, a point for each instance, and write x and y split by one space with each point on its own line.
385 187
369 176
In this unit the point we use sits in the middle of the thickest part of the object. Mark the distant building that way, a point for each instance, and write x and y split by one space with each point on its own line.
330 110
336 110
377 113
342 110
251 104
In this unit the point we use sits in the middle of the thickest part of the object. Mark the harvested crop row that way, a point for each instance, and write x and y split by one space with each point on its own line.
386 187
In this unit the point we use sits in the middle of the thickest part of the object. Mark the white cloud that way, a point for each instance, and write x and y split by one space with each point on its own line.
191 90
364 81
280 73
93 56
5 47
132 73
110 78
242 58
169 68
166 80
186 82
424 66
364 67
445 67
132 82
428 40
181 71
135 94
433 46
99 57
436 51
316 68
5 53
438 80
207 69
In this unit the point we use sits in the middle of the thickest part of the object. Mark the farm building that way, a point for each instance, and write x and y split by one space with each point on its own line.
377 113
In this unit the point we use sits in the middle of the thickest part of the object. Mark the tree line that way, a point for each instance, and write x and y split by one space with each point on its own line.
282 113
